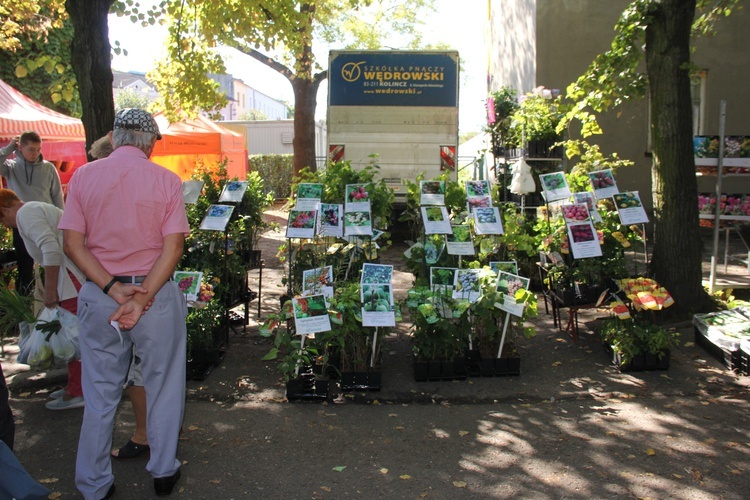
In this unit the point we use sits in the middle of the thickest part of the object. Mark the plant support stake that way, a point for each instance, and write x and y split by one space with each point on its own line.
502 338
717 209
374 345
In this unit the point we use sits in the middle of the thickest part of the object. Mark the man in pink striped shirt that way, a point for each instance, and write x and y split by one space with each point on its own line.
124 227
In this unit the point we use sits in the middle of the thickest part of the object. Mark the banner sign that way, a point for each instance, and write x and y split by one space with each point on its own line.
393 79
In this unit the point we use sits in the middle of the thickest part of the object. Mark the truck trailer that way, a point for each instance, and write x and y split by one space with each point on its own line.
400 105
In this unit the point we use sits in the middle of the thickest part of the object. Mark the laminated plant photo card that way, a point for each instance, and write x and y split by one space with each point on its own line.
331 220
436 220
432 192
603 183
217 217
310 314
508 284
308 196
233 192
459 242
487 220
301 223
582 236
630 208
555 186
191 191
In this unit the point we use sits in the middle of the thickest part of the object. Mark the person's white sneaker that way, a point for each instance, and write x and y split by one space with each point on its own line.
61 404
57 394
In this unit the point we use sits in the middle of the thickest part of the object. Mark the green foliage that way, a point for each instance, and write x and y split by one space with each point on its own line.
276 172
14 308
636 336
506 104
39 63
130 98
202 323
350 339
536 118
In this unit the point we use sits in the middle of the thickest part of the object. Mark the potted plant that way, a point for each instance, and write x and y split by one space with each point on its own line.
438 340
358 347
504 103
486 358
251 223
298 359
637 344
205 349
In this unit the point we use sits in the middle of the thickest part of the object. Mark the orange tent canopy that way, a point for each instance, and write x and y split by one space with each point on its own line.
63 137
185 142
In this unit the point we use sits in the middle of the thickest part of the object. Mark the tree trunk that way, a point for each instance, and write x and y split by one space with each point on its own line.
305 101
677 254
90 55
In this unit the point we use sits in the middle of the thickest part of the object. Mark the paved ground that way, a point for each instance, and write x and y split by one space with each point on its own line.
570 426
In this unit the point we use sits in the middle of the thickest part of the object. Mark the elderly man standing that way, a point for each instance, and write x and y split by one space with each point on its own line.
32 179
124 227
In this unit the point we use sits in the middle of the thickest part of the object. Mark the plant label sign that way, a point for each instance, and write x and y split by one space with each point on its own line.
358 222
301 224
508 284
582 236
377 295
331 220
603 183
357 198
233 192
629 208
466 285
487 220
191 191
460 242
555 187
436 220
217 217
308 196
432 192
310 315
189 283
478 195
318 281
509 266
588 199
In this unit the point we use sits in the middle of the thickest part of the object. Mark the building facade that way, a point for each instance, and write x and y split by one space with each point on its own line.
551 43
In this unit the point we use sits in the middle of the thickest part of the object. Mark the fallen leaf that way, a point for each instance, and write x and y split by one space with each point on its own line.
392 415
193 428
665 376
48 480
710 441
678 476
650 452
215 481
459 484
25 394
631 456
557 363
405 477
732 444
339 468
399 427
375 402
384 471
325 488
54 496
463 433
689 344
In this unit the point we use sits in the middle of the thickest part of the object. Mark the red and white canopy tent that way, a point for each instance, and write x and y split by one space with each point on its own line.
63 137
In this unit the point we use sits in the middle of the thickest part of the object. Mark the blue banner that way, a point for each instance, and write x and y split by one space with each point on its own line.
393 79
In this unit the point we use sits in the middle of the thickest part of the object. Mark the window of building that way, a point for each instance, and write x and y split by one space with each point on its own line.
698 97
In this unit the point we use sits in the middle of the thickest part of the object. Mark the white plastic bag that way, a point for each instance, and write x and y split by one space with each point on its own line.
522 181
52 341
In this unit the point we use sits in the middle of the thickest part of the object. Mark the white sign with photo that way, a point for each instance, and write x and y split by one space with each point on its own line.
310 315
436 220
301 224
554 186
508 284
432 192
629 208
487 220
217 217
233 192
331 219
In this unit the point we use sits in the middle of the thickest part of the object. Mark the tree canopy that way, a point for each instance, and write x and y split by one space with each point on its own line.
281 35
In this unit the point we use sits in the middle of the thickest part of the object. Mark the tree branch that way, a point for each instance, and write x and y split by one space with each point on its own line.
271 63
